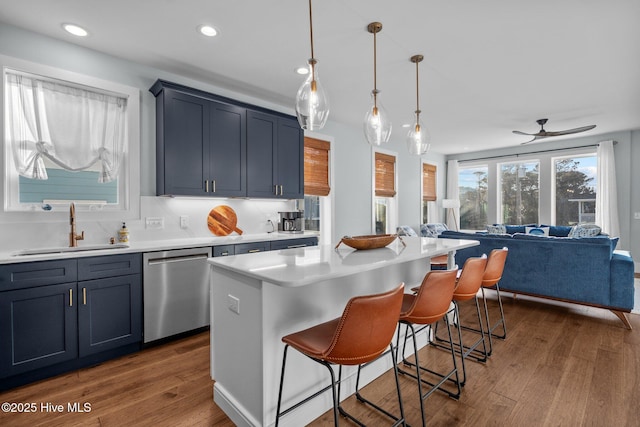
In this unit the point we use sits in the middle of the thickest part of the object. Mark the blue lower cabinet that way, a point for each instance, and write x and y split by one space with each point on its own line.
109 313
38 328
93 313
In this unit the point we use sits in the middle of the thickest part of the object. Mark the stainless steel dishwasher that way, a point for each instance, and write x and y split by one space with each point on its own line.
176 291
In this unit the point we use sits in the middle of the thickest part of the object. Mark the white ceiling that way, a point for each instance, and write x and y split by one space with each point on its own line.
490 66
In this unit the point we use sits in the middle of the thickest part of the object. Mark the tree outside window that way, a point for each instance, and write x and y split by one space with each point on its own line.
520 192
575 190
472 188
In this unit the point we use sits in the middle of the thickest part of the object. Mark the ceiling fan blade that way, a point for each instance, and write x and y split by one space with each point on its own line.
570 131
535 137
517 132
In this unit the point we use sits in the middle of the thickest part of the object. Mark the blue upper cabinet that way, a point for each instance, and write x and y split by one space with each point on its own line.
275 157
207 145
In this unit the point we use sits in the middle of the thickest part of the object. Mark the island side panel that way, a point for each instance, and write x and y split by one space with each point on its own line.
236 346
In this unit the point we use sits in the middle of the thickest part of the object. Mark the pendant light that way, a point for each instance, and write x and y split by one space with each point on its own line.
377 126
418 136
312 104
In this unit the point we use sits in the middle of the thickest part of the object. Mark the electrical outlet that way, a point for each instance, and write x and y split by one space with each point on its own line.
233 303
636 215
184 221
154 222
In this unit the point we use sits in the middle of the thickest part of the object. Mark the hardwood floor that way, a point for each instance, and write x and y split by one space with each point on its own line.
561 365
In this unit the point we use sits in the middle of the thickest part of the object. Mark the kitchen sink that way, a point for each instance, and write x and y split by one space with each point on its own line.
59 250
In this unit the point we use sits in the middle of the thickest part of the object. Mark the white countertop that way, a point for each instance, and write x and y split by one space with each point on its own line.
303 266
13 256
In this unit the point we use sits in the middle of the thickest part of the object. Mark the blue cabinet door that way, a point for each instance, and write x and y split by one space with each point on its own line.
261 155
109 313
38 327
228 150
275 157
290 159
182 149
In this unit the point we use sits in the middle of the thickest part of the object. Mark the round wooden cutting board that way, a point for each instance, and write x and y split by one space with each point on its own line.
222 221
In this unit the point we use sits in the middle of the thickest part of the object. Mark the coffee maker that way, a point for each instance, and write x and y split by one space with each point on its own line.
291 222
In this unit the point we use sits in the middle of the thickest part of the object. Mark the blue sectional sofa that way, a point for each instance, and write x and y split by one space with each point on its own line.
579 270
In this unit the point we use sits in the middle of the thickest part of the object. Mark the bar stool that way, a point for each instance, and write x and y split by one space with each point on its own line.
430 304
467 287
492 275
360 335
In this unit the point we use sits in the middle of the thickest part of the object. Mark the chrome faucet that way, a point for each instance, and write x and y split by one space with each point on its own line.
73 237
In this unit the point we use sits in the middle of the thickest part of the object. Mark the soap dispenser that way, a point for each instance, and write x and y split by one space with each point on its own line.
123 234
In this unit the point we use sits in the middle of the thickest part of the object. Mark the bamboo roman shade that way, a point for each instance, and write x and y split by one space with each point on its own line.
385 175
428 182
316 167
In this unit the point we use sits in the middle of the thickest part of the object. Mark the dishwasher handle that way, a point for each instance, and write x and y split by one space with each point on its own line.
177 258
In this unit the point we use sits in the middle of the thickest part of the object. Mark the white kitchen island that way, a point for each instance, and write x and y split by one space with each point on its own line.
256 299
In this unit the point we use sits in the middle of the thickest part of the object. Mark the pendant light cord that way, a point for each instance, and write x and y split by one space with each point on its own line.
311 28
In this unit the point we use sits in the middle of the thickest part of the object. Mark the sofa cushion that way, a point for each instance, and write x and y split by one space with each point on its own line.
558 230
511 229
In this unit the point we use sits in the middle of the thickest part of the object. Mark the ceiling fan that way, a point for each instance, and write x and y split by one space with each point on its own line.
546 134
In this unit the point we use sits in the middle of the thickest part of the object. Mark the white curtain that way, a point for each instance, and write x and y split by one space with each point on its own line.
73 127
453 193
607 196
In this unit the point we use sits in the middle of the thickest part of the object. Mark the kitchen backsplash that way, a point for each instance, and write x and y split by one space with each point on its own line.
253 216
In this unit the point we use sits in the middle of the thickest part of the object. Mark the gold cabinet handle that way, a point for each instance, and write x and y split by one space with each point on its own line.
281 189
254 251
275 189
213 184
84 296
70 297
206 185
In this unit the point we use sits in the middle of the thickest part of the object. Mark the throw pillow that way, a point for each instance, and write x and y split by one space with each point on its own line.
537 231
405 230
432 229
496 229
584 230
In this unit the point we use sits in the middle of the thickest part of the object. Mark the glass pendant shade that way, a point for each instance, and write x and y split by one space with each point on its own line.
418 139
312 104
377 126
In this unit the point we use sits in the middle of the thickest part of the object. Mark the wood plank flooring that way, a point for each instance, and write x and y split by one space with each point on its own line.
561 365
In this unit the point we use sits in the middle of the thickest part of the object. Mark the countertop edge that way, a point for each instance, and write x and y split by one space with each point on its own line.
223 265
12 256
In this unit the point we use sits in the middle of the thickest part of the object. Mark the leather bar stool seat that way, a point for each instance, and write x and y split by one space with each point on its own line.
362 334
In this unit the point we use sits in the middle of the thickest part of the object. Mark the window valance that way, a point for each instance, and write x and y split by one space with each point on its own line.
72 126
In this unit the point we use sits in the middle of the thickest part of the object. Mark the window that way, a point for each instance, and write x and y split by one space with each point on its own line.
472 188
316 182
429 173
69 138
520 192
575 189
385 191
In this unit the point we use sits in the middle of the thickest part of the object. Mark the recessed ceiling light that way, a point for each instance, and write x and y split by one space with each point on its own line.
75 30
302 70
406 125
207 30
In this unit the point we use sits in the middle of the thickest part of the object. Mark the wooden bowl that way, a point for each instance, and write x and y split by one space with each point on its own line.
373 241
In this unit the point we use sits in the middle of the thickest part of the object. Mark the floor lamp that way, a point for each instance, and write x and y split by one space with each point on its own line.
451 205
